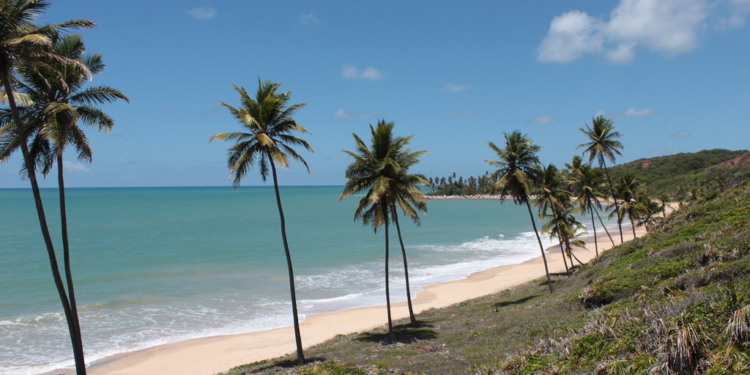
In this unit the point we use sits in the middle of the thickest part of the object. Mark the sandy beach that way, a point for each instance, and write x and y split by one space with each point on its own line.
216 354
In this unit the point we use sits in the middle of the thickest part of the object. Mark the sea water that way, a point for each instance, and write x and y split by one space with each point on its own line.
161 265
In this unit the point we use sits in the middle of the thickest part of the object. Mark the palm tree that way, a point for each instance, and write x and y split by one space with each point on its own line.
602 143
626 189
516 174
663 203
56 104
382 171
588 180
551 196
565 226
22 42
267 121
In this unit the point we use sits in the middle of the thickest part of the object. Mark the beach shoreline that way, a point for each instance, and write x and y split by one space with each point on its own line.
210 355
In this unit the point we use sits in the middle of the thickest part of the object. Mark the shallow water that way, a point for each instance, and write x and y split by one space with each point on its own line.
160 265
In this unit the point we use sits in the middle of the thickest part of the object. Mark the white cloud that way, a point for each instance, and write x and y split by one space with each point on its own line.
343 114
467 113
308 19
450 87
75 167
635 112
666 26
352 72
599 113
680 135
571 35
546 119
204 13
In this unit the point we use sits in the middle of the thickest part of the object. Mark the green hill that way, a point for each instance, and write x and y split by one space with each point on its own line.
675 175
676 301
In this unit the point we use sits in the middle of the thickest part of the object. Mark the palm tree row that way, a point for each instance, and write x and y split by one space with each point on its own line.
43 73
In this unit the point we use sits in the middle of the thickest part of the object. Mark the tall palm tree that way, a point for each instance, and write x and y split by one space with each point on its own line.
56 103
516 175
22 42
382 171
268 123
602 143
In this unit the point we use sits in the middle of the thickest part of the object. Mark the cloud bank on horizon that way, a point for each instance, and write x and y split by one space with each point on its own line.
669 27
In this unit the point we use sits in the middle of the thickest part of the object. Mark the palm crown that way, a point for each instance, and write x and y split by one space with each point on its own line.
517 167
268 123
383 171
59 102
602 140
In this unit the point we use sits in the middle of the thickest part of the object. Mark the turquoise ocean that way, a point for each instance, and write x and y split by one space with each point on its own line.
161 265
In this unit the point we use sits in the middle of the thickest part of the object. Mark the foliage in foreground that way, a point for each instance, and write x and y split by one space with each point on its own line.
674 302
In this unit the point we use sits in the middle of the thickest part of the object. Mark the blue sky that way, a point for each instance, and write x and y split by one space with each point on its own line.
672 74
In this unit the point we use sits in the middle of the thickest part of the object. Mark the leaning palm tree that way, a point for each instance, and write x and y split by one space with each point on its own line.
602 143
381 170
516 174
22 42
55 105
268 123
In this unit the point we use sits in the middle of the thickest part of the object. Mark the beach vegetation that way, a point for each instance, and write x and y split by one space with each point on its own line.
266 140
24 44
672 302
381 172
517 174
676 175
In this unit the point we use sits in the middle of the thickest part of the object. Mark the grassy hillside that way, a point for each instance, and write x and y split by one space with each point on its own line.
675 301
676 174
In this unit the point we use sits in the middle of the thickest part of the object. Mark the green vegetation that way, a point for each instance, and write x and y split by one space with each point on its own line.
269 123
681 175
673 302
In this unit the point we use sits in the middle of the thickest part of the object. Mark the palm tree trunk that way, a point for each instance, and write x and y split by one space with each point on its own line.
297 335
593 226
570 251
387 284
31 172
66 253
632 225
406 271
562 251
605 227
541 247
612 191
